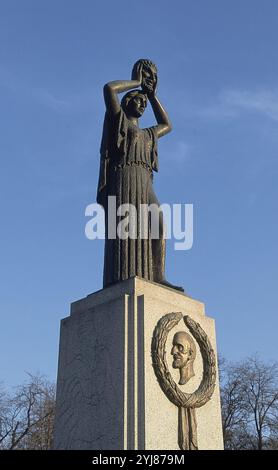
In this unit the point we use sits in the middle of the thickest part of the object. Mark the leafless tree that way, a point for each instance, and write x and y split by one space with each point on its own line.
26 417
4 411
249 397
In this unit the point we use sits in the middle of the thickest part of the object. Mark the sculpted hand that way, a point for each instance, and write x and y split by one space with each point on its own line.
149 82
137 73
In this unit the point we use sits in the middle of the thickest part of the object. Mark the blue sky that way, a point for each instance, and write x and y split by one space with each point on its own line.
218 69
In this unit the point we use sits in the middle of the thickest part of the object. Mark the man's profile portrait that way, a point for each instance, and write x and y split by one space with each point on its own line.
184 354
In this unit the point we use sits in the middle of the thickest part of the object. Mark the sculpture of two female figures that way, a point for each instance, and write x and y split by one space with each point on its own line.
128 160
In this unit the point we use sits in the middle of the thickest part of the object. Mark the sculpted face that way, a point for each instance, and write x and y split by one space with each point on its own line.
149 74
184 353
180 350
137 105
149 79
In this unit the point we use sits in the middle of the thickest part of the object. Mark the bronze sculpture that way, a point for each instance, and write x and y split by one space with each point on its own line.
186 402
128 160
184 354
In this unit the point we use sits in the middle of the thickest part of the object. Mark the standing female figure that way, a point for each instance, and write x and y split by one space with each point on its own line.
128 160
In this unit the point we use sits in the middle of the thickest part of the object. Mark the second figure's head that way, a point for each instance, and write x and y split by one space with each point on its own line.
149 74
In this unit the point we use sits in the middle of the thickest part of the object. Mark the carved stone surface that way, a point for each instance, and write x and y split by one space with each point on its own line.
90 398
186 402
108 396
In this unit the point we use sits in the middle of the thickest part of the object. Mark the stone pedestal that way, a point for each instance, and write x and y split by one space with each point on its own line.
108 396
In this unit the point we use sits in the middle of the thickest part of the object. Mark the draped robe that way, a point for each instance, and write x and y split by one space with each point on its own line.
128 159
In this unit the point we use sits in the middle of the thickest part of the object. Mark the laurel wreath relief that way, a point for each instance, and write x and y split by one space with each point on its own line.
186 402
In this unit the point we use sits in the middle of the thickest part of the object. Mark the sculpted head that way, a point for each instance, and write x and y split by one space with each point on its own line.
134 103
184 354
149 74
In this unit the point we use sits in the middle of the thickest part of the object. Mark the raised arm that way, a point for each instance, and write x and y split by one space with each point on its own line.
163 122
112 89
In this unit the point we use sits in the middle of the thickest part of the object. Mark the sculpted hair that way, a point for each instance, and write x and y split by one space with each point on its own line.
129 95
146 64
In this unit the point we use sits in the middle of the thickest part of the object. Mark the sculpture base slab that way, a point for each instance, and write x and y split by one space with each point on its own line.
108 396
